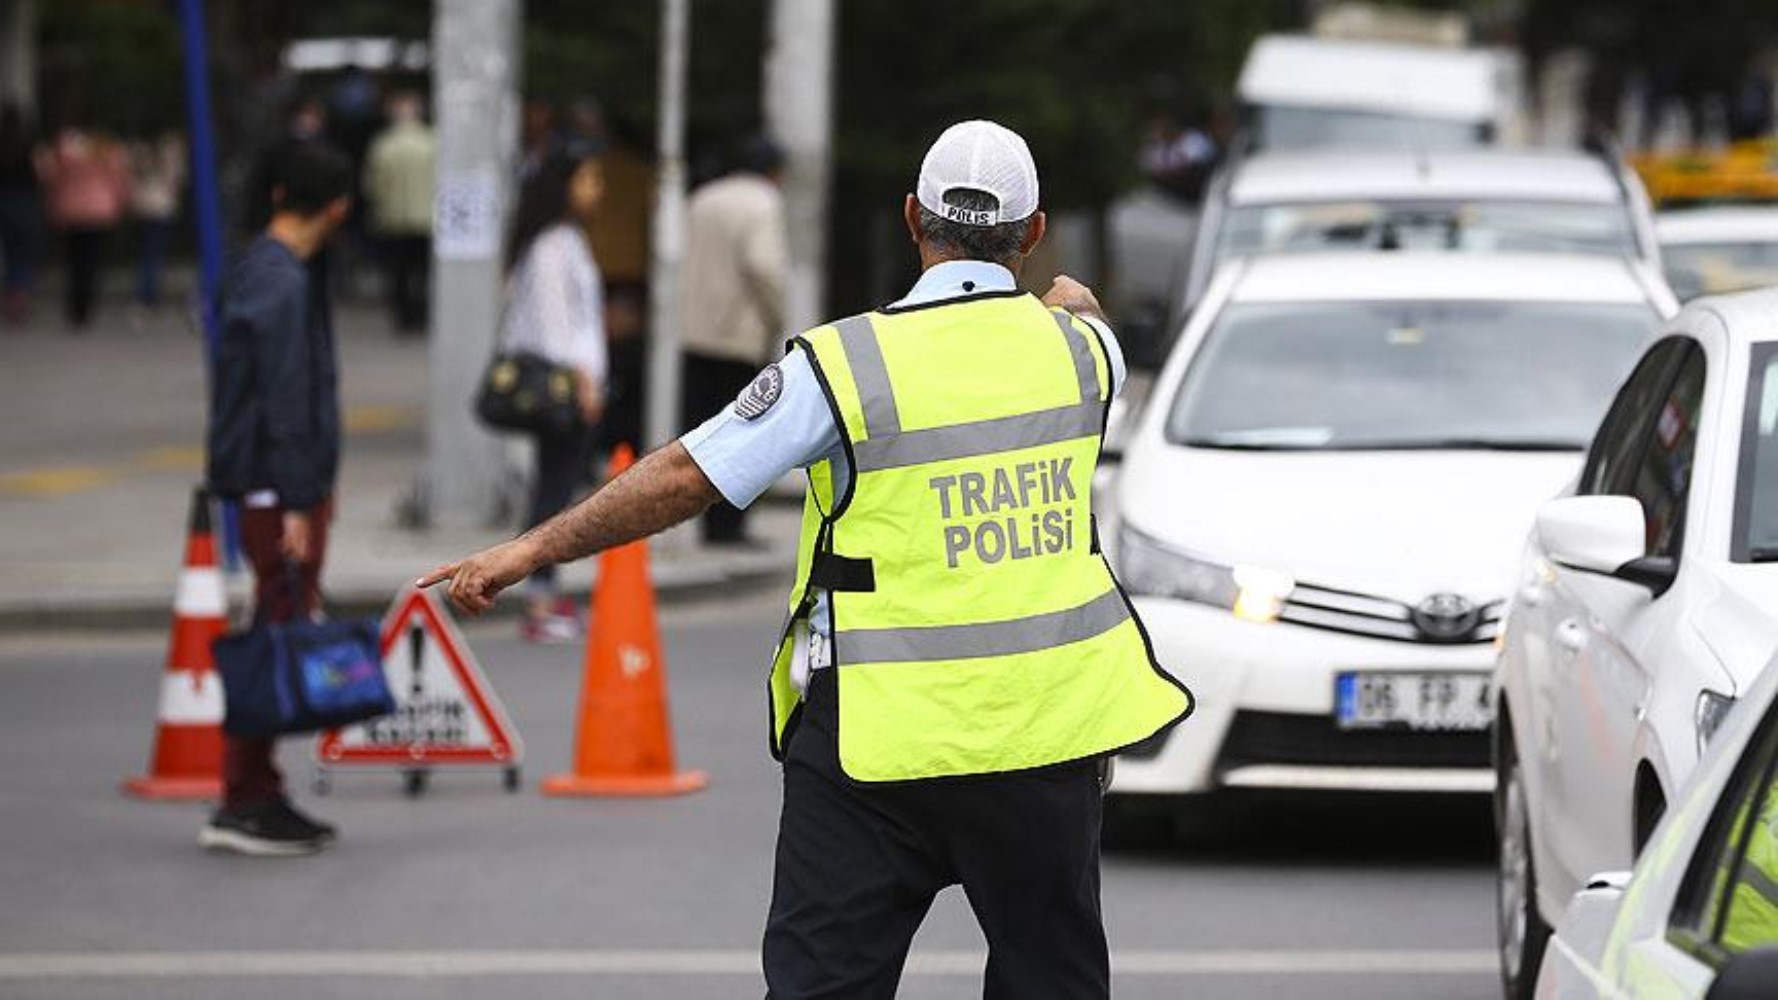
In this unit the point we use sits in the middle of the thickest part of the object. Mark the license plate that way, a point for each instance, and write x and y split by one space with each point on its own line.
1402 700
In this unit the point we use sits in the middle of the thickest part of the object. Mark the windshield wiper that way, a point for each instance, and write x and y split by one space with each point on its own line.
1763 554
1461 444
1235 444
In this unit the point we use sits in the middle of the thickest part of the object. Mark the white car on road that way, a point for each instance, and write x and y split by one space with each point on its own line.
1698 918
1646 603
1475 200
1318 510
1710 251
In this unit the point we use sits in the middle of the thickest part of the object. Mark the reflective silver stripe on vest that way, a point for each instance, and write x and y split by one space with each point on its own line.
1084 367
980 437
858 338
967 642
1754 877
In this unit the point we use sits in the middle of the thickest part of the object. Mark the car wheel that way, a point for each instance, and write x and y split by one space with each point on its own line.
1523 933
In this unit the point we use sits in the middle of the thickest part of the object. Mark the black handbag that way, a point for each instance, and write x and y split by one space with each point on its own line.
528 393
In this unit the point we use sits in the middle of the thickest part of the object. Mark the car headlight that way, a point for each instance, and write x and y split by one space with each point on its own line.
1146 566
1711 709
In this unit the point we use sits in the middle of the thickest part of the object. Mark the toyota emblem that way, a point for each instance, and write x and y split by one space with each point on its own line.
1447 617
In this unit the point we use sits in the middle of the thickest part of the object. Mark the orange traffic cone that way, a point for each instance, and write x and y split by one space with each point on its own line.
187 760
623 745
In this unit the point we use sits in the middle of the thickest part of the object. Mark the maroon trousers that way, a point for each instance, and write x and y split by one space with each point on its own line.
249 774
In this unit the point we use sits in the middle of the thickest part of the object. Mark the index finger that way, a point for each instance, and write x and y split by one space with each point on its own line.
437 576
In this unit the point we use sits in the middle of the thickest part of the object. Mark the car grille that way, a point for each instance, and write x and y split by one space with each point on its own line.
1381 618
1287 738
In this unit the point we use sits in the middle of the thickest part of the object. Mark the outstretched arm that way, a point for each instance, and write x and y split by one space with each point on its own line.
663 489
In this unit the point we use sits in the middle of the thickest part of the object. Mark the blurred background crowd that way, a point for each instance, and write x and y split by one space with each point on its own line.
1112 96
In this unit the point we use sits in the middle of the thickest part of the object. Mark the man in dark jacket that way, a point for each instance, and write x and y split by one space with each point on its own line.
274 446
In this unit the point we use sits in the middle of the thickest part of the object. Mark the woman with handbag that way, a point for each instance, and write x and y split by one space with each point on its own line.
555 310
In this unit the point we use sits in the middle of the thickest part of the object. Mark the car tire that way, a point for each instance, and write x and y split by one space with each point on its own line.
1522 932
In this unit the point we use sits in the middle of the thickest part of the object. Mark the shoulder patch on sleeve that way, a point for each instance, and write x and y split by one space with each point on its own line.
760 394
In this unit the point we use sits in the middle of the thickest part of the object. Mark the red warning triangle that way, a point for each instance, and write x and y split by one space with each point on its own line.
446 712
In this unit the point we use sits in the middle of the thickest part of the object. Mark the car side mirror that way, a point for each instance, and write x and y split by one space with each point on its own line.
1604 535
1747 976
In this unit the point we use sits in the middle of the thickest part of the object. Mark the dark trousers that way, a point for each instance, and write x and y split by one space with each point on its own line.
21 229
710 385
249 773
561 469
409 260
858 867
86 252
152 237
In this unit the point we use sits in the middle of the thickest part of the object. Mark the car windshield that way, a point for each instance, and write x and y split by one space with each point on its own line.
1563 227
1281 127
1406 375
1695 269
1756 496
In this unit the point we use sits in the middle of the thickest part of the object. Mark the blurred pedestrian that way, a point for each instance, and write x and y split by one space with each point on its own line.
398 185
21 213
304 121
1177 157
85 177
537 137
274 446
555 308
958 660
157 176
620 245
732 312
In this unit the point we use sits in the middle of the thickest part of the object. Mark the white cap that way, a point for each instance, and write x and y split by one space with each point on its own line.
983 156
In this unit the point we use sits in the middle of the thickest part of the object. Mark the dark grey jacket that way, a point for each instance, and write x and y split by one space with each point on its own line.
274 390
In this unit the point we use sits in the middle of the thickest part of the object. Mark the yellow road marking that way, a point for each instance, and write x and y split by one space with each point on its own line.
55 482
61 481
379 417
182 458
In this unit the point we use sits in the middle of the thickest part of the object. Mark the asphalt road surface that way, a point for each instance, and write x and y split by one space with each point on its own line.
471 891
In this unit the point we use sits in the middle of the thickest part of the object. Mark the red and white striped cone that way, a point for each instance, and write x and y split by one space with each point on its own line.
187 762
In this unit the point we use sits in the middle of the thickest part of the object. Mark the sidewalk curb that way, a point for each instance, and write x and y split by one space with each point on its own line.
676 585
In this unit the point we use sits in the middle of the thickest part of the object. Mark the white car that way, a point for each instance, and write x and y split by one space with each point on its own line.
1698 918
1712 251
1318 509
1484 199
1647 601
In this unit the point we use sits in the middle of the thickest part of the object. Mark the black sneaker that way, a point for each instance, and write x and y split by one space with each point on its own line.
262 830
326 833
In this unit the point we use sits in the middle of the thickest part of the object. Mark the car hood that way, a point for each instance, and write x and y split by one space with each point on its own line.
1740 621
1399 524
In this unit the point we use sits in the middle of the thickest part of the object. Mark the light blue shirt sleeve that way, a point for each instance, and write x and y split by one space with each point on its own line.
1114 354
744 457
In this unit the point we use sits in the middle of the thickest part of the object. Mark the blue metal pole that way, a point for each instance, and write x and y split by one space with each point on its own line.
207 204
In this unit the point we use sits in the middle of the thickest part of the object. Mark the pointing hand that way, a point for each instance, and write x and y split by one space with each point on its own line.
477 580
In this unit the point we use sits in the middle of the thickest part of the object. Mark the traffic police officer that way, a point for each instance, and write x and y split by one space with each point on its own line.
957 660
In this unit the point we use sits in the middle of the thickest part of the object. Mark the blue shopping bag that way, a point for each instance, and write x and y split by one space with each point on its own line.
302 676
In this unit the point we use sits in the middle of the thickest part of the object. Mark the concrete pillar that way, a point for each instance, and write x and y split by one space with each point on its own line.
668 230
476 66
799 114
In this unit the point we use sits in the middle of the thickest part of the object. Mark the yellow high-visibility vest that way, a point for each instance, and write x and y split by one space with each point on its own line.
1752 918
976 627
